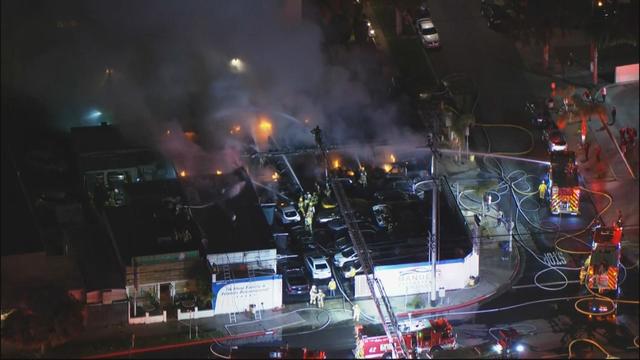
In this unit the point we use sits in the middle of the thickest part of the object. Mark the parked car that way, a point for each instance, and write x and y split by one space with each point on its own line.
296 283
325 215
346 268
554 138
344 242
390 195
288 214
318 266
428 33
339 225
382 215
346 255
496 16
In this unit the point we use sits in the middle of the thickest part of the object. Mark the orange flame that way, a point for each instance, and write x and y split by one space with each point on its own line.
183 173
336 163
387 167
275 176
392 158
218 172
190 135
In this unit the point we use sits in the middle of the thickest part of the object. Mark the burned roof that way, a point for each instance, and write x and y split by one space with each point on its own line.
227 209
147 224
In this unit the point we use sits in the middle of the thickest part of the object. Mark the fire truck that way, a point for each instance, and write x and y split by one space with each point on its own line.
421 338
564 186
601 268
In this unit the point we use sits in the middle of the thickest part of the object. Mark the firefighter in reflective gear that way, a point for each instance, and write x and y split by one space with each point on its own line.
320 297
313 295
363 177
352 272
301 205
332 287
356 312
308 220
542 190
584 269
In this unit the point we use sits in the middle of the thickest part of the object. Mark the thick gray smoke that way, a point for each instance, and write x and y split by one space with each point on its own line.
171 73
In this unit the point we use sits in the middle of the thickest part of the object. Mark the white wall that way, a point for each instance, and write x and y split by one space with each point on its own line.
409 279
236 295
197 314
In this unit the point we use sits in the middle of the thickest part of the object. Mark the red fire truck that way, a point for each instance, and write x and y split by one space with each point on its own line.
600 270
419 337
563 184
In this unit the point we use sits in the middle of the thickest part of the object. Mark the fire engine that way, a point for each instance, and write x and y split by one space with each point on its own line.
563 183
600 270
419 337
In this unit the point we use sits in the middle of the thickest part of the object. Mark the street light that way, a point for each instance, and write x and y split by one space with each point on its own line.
237 66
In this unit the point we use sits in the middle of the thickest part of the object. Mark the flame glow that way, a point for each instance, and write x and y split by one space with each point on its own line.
336 163
183 173
218 172
265 125
190 135
168 132
392 158
275 176
235 129
387 167
351 173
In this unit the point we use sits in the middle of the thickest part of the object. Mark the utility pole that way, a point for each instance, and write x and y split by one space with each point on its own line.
433 239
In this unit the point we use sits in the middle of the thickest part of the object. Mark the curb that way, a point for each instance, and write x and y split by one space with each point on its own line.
467 303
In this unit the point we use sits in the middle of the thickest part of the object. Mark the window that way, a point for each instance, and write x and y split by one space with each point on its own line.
321 266
429 31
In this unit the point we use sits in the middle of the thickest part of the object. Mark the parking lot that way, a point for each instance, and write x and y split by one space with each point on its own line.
392 214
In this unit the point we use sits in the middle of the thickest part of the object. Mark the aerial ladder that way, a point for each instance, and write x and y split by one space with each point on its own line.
380 299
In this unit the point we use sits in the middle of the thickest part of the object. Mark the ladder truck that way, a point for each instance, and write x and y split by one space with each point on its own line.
421 338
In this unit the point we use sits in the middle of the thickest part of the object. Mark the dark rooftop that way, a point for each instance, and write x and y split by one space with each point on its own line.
96 139
234 221
144 226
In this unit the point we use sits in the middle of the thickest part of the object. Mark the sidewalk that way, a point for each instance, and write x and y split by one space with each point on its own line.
610 175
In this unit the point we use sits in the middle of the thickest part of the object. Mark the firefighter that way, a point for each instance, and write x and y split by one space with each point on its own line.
584 269
301 205
363 177
320 298
500 219
352 272
542 191
307 199
332 287
618 222
308 220
356 312
313 295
